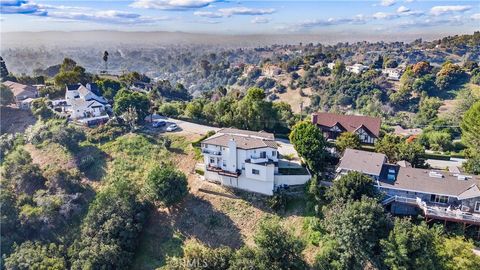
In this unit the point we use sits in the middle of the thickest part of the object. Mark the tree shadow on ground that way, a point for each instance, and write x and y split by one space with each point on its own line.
91 161
196 218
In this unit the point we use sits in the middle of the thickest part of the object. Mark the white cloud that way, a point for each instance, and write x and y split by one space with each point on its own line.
172 4
387 3
384 16
228 12
403 9
440 10
21 7
106 16
246 11
260 20
209 14
475 16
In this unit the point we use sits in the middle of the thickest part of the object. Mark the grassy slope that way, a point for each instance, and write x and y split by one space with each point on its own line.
211 214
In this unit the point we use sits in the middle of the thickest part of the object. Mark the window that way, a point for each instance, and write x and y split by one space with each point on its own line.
438 198
255 171
263 154
477 206
212 160
274 153
224 163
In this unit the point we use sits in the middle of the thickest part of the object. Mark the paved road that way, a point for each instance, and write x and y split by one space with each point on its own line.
442 164
285 147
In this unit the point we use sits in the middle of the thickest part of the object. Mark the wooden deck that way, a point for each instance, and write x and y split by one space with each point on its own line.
437 212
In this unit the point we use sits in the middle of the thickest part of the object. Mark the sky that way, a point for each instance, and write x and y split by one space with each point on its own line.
243 17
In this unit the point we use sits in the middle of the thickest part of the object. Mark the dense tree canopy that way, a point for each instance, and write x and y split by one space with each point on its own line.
166 185
357 227
308 141
348 140
352 187
126 99
6 96
411 246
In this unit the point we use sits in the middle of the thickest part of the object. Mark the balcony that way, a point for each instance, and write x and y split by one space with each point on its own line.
437 212
223 172
211 152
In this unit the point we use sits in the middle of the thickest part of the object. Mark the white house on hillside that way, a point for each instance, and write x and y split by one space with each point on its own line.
392 73
85 106
247 160
356 68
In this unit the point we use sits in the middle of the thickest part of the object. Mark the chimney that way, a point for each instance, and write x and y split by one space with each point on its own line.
314 118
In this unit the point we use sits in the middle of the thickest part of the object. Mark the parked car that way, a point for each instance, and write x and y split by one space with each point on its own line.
159 123
172 127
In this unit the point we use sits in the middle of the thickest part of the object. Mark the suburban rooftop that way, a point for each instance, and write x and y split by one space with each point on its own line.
362 161
244 139
349 122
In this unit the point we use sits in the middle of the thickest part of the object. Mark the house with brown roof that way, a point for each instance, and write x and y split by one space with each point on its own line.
438 195
332 125
246 160
24 94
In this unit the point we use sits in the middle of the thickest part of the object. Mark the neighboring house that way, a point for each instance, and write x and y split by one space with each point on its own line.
356 68
438 195
24 94
332 125
399 130
247 160
84 106
331 65
392 73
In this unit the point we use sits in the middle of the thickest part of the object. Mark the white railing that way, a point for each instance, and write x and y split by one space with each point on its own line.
258 160
211 152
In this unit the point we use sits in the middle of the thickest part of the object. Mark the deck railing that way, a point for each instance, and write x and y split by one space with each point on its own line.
436 211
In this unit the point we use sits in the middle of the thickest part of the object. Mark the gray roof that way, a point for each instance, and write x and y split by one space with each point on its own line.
362 161
244 139
419 180
235 131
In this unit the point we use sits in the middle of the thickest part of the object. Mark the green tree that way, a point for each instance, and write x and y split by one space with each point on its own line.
254 113
388 145
166 185
278 247
352 187
110 231
456 253
41 110
449 76
472 165
194 109
6 96
21 174
169 109
199 257
412 152
348 140
126 99
308 141
339 68
34 255
428 110
411 246
358 227
471 127
3 70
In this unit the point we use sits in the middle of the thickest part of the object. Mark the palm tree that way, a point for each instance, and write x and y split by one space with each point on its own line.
105 59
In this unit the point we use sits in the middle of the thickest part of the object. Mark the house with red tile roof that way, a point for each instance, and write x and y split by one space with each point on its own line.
332 125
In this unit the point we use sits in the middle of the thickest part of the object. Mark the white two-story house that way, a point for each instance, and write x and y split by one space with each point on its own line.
84 105
246 160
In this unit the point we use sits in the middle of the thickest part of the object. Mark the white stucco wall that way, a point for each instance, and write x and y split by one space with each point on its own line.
290 180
